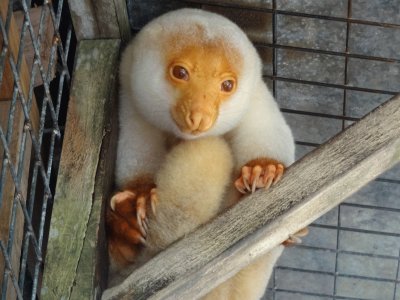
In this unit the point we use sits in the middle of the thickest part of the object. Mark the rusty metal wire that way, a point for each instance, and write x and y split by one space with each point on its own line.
32 199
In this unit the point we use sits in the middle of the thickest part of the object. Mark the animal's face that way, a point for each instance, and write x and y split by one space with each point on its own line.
202 78
191 73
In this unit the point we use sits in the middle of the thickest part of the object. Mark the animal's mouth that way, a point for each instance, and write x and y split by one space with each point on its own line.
193 122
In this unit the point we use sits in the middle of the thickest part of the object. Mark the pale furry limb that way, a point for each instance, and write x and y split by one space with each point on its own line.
191 185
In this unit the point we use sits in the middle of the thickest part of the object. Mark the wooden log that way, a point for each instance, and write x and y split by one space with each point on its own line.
91 277
123 20
15 147
311 187
94 19
84 19
77 199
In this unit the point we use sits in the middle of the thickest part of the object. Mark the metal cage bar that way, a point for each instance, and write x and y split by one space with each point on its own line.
45 136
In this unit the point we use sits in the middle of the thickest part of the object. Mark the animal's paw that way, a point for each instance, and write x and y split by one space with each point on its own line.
133 207
259 173
126 220
295 239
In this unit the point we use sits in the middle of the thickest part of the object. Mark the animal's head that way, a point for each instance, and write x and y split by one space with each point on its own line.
191 73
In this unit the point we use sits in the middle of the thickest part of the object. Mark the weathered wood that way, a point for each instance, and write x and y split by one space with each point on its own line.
74 206
123 20
310 188
83 17
91 277
15 146
106 17
95 19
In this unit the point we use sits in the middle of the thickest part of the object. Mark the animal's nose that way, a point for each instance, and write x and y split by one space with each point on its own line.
198 121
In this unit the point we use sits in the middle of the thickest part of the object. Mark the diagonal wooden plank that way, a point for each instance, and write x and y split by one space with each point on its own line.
92 87
310 188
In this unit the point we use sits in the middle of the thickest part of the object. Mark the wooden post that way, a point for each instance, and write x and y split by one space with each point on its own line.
94 19
311 187
76 237
14 145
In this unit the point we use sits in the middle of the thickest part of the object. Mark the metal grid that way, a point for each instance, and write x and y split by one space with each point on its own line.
244 13
34 200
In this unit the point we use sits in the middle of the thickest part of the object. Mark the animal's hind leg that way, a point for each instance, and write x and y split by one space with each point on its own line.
249 283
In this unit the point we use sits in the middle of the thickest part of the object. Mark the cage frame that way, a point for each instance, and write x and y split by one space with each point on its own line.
107 19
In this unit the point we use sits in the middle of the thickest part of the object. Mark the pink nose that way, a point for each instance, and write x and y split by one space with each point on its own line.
198 122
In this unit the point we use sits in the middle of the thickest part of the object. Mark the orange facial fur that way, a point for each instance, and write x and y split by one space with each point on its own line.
209 79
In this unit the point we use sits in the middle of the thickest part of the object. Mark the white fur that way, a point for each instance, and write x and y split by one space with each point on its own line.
251 282
257 128
250 120
190 194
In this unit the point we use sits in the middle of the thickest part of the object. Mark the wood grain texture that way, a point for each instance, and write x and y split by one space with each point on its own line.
311 187
123 20
95 19
91 277
84 20
77 204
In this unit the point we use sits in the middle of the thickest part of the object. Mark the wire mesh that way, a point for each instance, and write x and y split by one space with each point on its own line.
328 63
36 61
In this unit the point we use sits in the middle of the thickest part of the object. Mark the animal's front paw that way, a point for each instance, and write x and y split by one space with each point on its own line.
126 220
259 173
131 207
295 239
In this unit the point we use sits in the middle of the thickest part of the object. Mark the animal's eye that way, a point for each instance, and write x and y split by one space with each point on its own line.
180 72
227 85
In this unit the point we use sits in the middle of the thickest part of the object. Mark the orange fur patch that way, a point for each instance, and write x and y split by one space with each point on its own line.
262 161
209 62
122 225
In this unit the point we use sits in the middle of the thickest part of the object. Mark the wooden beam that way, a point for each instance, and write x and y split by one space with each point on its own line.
91 275
123 20
310 188
84 20
78 200
94 19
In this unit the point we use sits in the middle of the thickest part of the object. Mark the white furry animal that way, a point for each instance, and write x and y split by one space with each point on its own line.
191 74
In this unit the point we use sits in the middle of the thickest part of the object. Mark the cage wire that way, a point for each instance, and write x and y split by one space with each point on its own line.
328 63
37 51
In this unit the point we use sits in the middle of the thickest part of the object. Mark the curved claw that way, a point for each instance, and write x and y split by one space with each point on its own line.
119 197
255 177
295 239
153 200
143 241
240 186
279 173
141 214
246 177
259 173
